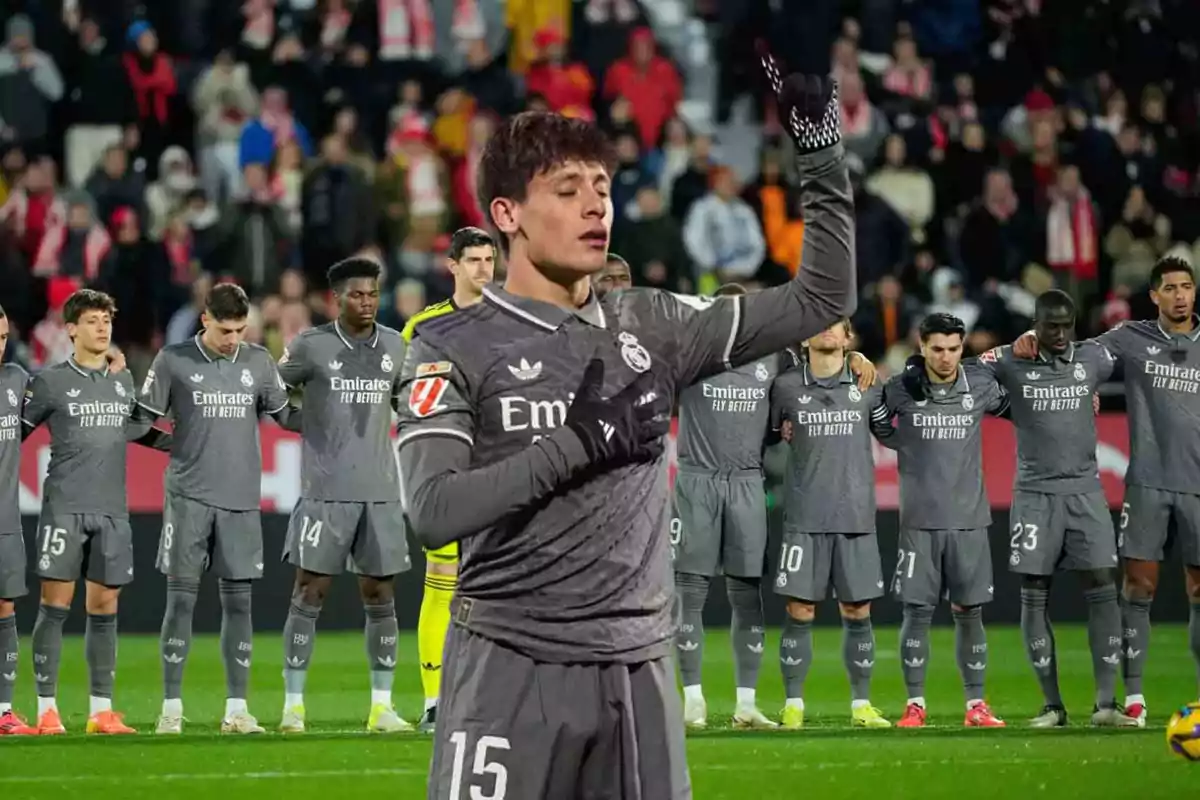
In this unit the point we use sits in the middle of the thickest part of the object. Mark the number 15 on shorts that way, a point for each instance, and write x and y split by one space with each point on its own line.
484 768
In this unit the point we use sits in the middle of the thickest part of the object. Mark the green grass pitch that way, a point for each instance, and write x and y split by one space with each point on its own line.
828 760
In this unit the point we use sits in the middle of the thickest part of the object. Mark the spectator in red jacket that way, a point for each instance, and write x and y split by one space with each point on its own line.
151 75
649 80
567 88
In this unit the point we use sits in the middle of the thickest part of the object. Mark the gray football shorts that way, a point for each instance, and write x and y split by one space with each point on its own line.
197 537
326 537
720 523
937 564
1052 532
1147 532
12 566
555 730
810 562
97 547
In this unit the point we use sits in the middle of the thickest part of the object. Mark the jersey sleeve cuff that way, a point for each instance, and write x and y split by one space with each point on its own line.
151 408
418 433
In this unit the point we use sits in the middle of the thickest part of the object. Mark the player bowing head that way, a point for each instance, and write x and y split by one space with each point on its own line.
225 318
833 340
546 180
616 275
355 283
1173 290
89 318
1054 321
472 262
942 345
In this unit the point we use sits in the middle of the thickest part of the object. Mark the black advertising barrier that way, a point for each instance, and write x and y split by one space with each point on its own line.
142 601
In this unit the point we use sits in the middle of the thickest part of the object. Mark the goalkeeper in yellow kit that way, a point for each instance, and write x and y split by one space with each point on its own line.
473 261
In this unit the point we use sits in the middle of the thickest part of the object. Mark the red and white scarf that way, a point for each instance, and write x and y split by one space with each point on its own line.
856 121
425 194
95 248
1071 236
405 30
468 22
16 207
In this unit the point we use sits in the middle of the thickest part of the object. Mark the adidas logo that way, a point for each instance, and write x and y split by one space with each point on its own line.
648 397
878 584
172 658
804 399
864 664
1131 653
295 662
40 678
10 676
755 648
1033 376
1114 659
386 661
244 663
977 666
914 662
1043 662
1152 350
791 662
72 393
335 365
608 429
428 667
688 646
197 378
524 371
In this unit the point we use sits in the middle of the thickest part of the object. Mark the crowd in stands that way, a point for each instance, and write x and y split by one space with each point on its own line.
998 148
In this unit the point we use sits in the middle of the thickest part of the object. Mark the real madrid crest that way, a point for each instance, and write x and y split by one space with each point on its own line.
12 398
636 356
968 402
761 372
781 580
1080 372
247 378
855 394
1014 559
386 363
120 390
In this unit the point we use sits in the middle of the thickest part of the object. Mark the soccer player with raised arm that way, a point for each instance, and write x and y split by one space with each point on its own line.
938 405
472 261
532 433
349 511
829 517
215 388
13 380
719 523
1160 359
1060 518
84 528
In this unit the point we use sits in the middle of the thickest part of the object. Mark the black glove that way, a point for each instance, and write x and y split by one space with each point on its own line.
913 378
808 106
629 426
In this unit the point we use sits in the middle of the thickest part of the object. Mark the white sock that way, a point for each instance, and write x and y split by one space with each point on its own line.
381 696
859 704
972 703
693 694
99 704
746 697
5 708
795 702
292 700
917 701
173 708
1134 699
46 704
235 706
430 702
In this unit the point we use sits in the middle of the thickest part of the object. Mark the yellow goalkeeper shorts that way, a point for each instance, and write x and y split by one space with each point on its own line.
443 555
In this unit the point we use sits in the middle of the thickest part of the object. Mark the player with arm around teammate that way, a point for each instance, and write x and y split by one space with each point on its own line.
349 513
83 529
1160 359
533 434
472 262
829 516
215 388
937 405
1060 518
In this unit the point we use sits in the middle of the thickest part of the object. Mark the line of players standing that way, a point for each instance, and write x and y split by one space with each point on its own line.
931 416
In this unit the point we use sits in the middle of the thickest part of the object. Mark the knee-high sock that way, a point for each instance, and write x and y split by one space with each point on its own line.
299 638
175 640
1104 640
381 631
689 641
47 648
432 625
237 636
100 647
795 656
914 647
970 646
8 658
1039 642
858 653
747 630
1135 634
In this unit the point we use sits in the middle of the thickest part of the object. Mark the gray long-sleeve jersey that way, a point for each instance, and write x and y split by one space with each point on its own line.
350 391
1051 405
561 559
13 381
940 449
1162 396
90 414
831 475
215 403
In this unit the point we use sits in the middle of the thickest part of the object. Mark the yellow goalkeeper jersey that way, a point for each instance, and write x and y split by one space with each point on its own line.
428 312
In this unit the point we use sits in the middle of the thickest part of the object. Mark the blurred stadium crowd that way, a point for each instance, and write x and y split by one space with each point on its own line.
1000 147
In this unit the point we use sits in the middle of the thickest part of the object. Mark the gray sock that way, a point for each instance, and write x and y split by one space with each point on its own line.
8 657
381 633
1135 637
175 640
795 656
298 634
100 648
237 636
914 647
689 640
1194 634
970 646
858 653
1039 642
746 629
47 648
1104 640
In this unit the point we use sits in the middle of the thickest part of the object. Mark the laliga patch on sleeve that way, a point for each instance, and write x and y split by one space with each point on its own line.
694 301
425 396
430 368
146 384
991 356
